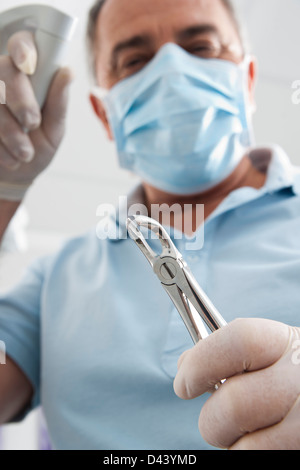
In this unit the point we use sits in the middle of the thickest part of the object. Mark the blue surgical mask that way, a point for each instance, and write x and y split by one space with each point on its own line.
182 123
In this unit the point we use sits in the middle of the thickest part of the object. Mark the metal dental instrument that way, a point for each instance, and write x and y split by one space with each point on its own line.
193 305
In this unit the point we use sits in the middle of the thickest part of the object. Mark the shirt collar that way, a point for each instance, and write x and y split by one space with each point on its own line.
281 174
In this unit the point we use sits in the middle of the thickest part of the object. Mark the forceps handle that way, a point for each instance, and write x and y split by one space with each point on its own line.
208 312
203 308
189 315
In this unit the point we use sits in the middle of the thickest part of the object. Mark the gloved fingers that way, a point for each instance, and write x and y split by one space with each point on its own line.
55 109
243 345
13 137
245 404
20 98
7 161
282 436
22 49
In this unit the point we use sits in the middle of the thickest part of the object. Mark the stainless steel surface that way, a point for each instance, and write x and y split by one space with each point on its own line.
193 305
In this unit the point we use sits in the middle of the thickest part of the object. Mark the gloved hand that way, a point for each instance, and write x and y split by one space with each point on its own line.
258 407
24 155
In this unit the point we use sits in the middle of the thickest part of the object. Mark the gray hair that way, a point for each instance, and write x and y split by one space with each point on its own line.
96 10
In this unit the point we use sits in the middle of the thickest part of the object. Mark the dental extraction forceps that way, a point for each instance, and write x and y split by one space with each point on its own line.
193 305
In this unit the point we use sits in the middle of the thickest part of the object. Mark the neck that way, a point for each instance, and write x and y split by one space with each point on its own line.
185 209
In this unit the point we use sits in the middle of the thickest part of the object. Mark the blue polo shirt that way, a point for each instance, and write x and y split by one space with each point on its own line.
99 339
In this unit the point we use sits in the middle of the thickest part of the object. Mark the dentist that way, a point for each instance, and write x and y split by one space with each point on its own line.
89 333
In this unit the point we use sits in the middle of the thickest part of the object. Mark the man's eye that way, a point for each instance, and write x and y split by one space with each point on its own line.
205 50
132 66
135 63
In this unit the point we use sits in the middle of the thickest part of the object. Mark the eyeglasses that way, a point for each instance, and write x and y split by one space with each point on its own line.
130 61
214 49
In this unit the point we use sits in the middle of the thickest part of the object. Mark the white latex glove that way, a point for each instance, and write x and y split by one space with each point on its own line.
258 407
24 155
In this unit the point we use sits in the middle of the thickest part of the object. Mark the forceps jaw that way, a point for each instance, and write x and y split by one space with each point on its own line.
137 236
168 248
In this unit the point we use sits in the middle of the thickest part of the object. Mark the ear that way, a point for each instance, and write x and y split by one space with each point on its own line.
101 114
252 76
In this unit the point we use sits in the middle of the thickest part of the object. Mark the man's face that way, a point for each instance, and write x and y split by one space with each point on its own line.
130 33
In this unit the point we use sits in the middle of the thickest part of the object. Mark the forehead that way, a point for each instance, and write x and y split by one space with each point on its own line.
121 19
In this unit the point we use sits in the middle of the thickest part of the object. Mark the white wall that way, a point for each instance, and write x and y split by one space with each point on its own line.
274 36
85 173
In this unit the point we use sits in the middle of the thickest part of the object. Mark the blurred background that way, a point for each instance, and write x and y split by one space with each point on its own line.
85 173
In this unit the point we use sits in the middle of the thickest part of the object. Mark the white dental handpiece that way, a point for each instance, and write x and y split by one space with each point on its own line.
52 31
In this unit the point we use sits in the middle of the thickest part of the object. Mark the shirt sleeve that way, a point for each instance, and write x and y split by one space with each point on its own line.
20 327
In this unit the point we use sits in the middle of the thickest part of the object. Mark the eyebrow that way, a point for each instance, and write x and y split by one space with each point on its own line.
143 41
196 30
